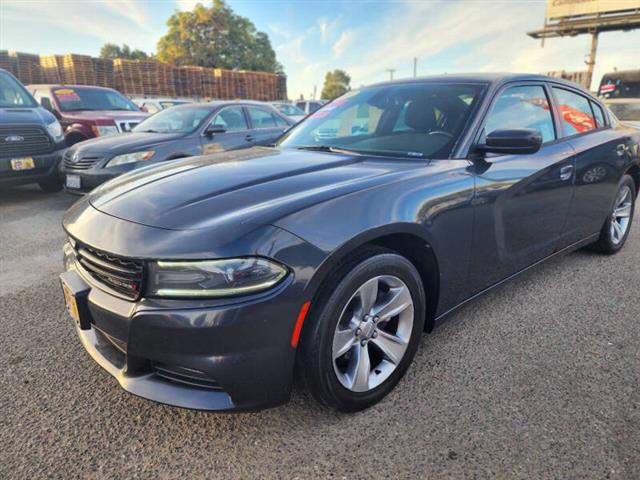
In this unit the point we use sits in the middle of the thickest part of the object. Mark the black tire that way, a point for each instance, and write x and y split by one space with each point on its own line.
50 185
315 361
606 243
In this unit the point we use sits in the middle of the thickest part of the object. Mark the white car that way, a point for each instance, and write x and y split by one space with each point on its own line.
154 105
289 110
310 106
627 110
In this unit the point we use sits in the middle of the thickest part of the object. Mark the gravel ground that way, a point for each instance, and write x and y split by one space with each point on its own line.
536 380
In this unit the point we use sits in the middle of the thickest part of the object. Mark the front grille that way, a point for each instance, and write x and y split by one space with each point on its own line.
25 140
121 275
82 163
186 376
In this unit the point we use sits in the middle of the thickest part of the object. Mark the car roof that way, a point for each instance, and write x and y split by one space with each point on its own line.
487 78
64 85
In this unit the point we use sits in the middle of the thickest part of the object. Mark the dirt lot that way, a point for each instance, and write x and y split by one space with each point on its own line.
537 380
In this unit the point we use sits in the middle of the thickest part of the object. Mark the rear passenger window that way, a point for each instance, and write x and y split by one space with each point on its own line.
261 118
522 107
576 113
597 111
280 122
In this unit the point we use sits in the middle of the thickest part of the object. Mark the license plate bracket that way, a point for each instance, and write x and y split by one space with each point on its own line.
76 293
73 181
24 163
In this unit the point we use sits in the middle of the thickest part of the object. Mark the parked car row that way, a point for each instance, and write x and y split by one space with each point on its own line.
178 132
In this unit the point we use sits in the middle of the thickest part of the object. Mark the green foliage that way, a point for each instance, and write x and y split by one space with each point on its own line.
336 83
216 37
111 50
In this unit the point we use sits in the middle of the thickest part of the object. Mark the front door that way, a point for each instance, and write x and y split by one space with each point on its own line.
237 134
265 130
521 200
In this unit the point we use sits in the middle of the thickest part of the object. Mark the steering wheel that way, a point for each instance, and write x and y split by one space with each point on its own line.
441 132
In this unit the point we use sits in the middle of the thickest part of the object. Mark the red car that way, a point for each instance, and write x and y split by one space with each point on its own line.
87 111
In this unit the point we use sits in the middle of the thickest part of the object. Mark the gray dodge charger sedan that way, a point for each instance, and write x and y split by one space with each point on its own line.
206 282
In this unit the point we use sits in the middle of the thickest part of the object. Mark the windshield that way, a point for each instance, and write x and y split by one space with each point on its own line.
288 109
418 120
13 94
626 111
77 99
179 119
172 103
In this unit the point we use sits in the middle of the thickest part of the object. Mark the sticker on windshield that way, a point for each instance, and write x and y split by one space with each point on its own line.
66 95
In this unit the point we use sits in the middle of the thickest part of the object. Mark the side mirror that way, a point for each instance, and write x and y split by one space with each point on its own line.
516 141
46 104
214 129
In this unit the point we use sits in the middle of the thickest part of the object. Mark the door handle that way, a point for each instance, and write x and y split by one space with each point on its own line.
622 149
249 138
566 172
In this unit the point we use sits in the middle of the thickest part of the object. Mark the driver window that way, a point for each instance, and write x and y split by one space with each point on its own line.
522 107
232 119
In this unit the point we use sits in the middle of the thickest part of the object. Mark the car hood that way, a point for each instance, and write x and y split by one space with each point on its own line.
124 142
106 115
246 187
25 116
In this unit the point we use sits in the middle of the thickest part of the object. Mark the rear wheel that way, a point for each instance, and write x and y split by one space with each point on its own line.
616 228
364 335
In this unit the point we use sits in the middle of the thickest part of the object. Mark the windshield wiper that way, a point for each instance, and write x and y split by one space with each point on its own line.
147 131
325 148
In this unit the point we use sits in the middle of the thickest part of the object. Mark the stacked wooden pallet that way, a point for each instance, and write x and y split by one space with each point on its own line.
7 62
50 69
209 84
145 77
103 68
27 67
166 79
76 69
127 77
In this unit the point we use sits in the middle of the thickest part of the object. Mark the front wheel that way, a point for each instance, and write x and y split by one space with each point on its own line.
616 228
364 335
50 185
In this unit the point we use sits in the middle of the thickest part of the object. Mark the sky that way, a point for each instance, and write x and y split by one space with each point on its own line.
311 37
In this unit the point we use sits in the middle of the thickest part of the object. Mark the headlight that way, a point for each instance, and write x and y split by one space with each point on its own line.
130 158
213 278
104 130
55 130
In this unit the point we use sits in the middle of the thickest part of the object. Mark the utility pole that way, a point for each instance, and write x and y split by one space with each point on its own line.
415 67
591 62
391 70
315 90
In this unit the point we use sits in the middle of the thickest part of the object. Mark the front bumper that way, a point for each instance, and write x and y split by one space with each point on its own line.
46 167
206 355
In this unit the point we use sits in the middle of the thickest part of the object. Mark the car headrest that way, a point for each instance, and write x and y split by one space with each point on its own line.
420 115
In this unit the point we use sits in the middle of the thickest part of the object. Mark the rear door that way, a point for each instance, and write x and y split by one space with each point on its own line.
601 152
521 201
237 134
264 125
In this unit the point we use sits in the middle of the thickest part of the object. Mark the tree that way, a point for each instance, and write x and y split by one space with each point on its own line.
336 83
216 37
111 50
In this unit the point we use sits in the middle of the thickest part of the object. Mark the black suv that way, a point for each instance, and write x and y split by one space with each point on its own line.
31 139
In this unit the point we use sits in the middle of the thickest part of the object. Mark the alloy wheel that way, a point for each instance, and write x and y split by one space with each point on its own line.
373 333
621 215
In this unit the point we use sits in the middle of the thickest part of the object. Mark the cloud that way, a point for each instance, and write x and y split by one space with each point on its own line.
343 43
323 26
188 5
292 50
118 21
280 29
